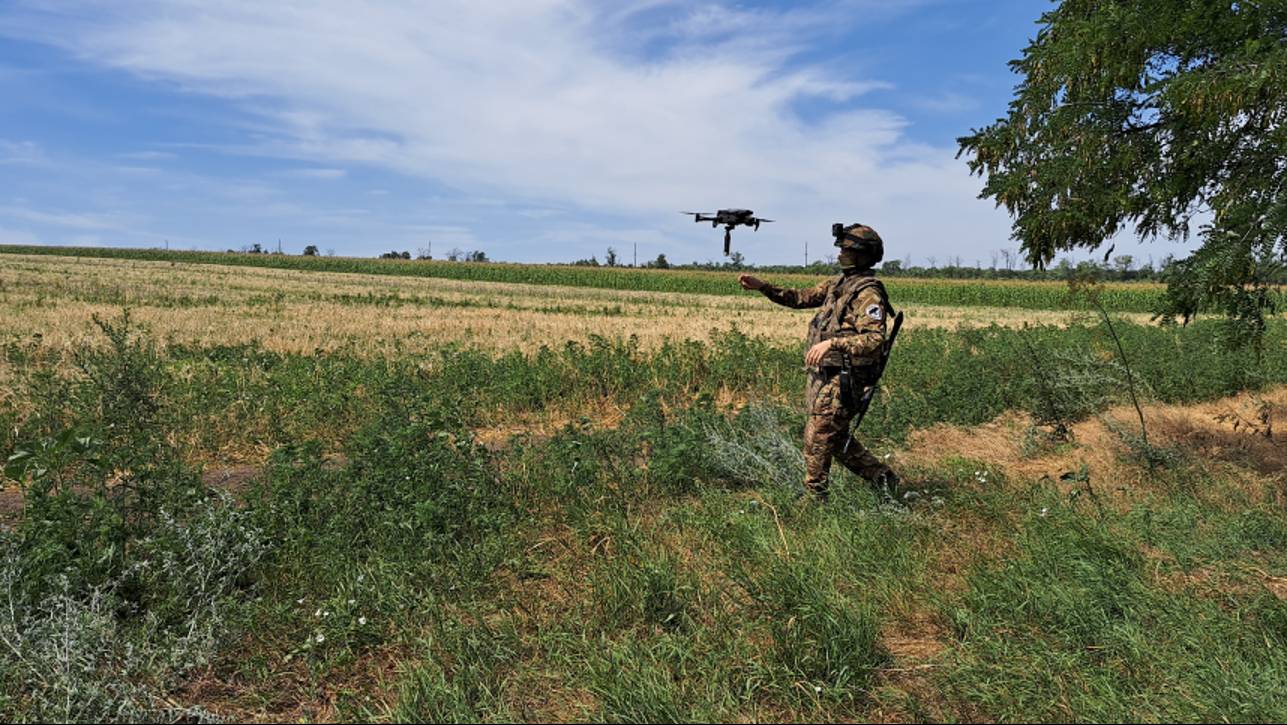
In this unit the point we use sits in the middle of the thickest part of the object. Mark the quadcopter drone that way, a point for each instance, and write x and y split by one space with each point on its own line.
729 218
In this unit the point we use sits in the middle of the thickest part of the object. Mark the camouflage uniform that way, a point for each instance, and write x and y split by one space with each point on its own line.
856 324
852 312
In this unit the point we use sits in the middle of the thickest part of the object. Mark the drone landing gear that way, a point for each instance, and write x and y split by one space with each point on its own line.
728 239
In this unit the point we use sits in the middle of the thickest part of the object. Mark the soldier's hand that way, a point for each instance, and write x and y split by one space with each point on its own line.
814 356
749 282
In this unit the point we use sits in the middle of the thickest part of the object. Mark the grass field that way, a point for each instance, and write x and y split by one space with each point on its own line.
283 494
1117 297
301 311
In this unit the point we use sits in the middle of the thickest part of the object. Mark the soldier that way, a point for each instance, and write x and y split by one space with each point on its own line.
850 323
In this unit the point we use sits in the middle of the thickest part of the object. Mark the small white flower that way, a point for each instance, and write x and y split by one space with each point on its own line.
362 621
318 613
1044 510
351 602
887 455
817 688
321 638
299 601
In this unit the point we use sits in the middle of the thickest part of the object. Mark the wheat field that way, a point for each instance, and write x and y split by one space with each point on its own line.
296 311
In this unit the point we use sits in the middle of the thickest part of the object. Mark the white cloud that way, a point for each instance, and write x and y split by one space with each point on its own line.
559 103
321 174
68 220
146 155
20 152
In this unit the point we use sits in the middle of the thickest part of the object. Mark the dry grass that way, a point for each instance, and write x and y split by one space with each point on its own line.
1202 430
306 312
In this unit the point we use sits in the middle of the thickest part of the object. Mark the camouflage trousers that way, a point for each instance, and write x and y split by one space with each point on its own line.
826 436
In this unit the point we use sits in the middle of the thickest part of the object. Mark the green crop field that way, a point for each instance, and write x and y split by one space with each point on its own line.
199 526
1121 297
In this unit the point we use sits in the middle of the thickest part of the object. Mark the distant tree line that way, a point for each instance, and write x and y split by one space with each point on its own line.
1121 268
454 255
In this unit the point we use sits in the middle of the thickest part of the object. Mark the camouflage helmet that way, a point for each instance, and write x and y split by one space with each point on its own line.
861 238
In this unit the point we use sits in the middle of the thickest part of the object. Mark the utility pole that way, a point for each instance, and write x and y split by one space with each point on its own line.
279 245
634 258
806 254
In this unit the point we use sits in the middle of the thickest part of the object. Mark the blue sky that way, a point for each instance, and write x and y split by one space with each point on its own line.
536 131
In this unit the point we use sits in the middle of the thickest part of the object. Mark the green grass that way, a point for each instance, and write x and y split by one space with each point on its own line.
1024 295
1078 625
624 572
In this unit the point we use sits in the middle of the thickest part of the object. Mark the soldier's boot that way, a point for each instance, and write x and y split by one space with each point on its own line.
886 483
855 457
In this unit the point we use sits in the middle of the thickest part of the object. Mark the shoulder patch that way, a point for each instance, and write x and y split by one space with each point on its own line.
875 312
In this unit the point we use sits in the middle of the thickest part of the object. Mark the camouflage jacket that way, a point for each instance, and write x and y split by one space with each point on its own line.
852 311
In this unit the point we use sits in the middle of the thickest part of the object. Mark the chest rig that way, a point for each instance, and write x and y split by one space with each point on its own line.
829 322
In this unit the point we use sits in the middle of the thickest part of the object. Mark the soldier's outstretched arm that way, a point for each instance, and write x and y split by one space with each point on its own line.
795 298
862 330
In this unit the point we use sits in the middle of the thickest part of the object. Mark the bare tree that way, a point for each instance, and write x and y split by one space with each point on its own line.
1009 259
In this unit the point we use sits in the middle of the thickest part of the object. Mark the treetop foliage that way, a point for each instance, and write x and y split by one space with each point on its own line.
1158 114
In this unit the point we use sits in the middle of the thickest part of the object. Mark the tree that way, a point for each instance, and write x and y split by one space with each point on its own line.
310 250
1064 269
1148 113
477 256
611 258
659 263
1009 259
